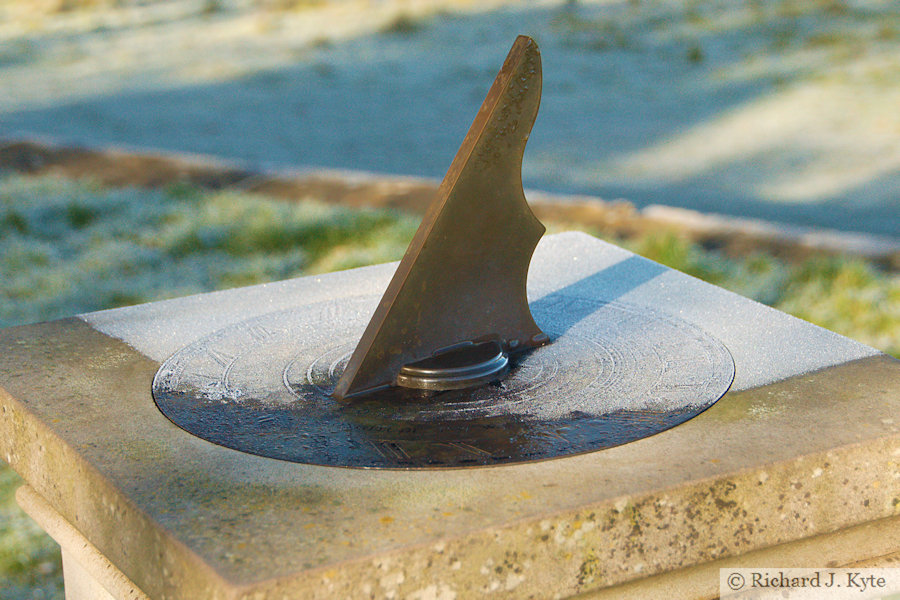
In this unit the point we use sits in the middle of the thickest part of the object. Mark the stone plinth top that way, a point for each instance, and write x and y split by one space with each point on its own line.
806 442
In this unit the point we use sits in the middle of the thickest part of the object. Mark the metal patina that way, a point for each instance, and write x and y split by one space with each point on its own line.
462 280
451 368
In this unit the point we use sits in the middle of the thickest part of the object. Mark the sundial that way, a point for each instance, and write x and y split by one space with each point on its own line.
451 367
196 447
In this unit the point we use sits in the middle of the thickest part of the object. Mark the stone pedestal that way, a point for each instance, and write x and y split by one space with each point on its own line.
797 465
87 574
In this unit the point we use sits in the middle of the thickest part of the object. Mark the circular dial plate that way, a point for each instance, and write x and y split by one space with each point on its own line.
612 373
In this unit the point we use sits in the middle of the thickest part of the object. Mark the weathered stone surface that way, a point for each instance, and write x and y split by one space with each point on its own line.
775 461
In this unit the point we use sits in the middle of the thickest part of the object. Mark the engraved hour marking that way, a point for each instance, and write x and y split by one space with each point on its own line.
389 449
468 448
220 357
204 376
259 333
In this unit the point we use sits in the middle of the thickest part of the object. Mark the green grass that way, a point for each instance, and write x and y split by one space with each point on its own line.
847 295
72 246
68 247
30 564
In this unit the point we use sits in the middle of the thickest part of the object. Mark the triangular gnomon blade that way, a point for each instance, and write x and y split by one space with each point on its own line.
463 276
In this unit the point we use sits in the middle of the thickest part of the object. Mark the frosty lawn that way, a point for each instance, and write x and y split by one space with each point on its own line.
776 109
72 246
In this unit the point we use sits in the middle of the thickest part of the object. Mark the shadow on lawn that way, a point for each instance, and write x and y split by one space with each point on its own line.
619 82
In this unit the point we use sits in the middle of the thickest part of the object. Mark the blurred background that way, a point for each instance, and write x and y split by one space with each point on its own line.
779 110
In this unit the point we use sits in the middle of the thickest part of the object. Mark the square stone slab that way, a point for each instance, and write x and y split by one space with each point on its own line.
804 447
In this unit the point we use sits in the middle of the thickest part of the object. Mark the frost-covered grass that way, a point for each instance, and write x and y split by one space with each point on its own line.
783 110
69 247
30 566
73 246
847 295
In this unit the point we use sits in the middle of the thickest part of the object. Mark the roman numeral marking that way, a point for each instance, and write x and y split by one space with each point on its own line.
468 448
389 449
220 357
259 333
